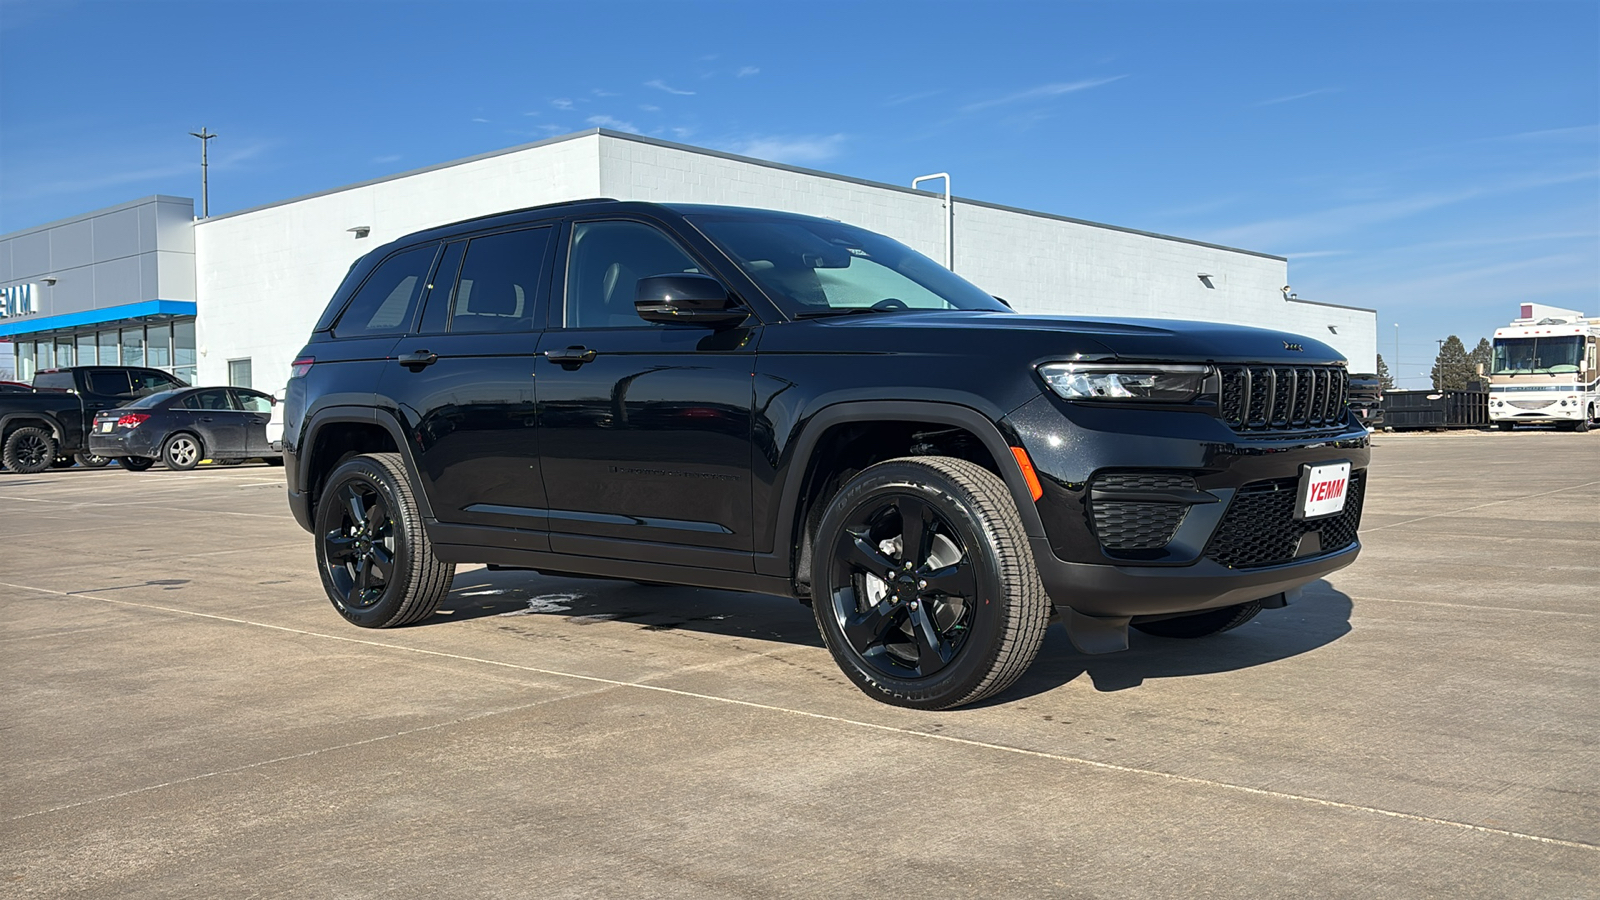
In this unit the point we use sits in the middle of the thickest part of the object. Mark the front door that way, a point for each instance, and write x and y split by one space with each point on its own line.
258 411
644 428
219 421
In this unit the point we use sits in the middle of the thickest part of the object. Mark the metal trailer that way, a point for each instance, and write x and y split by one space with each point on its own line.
1416 410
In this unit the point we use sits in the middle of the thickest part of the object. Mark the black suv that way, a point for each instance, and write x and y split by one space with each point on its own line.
758 401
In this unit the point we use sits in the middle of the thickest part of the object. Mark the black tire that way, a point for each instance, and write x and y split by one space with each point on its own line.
273 460
1582 425
1506 426
90 461
958 618
1205 624
377 564
183 451
29 450
227 462
63 462
135 463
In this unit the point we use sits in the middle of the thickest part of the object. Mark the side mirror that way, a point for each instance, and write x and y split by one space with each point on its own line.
685 299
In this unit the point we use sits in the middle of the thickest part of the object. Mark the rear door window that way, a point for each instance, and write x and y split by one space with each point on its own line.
217 399
387 301
111 383
499 282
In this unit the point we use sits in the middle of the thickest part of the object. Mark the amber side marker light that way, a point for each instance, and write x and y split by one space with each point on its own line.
1028 475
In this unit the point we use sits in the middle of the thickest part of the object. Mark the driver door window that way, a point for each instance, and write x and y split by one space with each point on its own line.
604 266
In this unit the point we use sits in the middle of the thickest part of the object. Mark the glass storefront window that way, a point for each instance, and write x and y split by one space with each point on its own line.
86 350
133 346
63 352
25 361
46 354
108 348
158 346
184 358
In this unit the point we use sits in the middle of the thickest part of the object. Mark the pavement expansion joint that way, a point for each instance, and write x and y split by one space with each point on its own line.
855 723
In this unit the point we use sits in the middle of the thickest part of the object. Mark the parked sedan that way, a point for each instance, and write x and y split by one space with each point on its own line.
184 426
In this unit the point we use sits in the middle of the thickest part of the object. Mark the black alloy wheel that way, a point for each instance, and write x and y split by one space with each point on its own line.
135 463
377 565
29 451
924 586
90 461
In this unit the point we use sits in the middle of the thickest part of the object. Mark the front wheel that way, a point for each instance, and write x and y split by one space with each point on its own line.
377 565
135 463
923 584
182 452
29 450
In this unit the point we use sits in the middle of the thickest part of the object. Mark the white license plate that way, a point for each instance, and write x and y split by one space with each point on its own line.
107 425
1322 489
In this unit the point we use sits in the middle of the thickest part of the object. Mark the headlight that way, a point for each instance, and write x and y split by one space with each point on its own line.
1124 381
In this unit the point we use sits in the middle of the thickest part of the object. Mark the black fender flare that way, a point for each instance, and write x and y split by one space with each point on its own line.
49 420
364 415
964 417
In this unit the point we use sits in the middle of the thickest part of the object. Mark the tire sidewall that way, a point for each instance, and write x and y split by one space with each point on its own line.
166 451
12 443
328 517
874 487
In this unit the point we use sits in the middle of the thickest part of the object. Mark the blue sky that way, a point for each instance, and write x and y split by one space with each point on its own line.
1438 161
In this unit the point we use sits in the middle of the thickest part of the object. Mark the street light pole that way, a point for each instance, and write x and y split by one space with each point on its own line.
1396 367
205 187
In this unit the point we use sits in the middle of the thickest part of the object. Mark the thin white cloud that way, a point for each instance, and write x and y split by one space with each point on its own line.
789 149
649 108
476 119
898 99
660 85
386 159
1293 97
683 134
1316 254
601 92
612 123
1042 92
561 103
106 175
534 113
747 71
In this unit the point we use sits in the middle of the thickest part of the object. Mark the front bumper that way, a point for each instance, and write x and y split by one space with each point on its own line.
1074 446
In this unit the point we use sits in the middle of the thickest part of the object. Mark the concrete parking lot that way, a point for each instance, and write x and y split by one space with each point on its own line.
184 715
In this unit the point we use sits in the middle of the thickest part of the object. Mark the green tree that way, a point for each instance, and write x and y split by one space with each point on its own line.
1385 380
1452 369
1482 355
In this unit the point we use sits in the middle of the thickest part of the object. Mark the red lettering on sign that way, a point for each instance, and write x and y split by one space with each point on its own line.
1336 489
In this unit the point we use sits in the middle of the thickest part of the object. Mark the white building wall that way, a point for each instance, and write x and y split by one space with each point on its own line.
266 275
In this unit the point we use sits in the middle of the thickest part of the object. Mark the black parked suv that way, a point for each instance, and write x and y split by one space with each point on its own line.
757 401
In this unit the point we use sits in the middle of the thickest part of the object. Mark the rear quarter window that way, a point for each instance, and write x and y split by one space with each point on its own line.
387 300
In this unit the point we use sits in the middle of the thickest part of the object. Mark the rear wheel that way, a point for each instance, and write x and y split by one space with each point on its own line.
90 461
1199 625
923 584
63 462
135 463
29 450
182 452
377 564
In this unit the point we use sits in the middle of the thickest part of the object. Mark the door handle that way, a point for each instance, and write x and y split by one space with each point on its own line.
417 360
571 357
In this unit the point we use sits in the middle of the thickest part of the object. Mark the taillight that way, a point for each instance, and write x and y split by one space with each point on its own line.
301 366
131 420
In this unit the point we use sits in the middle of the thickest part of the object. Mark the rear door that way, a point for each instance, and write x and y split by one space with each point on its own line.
644 428
463 385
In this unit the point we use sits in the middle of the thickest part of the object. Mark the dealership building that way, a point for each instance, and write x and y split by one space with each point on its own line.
231 298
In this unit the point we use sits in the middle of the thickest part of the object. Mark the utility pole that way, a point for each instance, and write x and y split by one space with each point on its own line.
205 188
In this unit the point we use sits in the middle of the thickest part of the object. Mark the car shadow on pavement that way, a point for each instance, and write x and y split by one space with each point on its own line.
1319 617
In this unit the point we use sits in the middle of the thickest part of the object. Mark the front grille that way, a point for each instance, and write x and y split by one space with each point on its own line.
1283 398
1122 525
1260 529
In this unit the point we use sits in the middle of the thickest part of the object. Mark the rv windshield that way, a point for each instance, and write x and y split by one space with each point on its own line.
1538 356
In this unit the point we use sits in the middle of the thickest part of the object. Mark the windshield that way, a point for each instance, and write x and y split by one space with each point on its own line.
1538 356
813 267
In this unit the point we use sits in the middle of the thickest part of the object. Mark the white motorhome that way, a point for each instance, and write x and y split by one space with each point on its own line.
1544 370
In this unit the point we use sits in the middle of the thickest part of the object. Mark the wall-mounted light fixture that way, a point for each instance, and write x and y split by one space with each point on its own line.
360 231
1205 279
1333 329
49 279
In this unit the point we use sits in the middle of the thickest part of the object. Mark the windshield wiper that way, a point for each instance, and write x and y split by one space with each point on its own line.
841 311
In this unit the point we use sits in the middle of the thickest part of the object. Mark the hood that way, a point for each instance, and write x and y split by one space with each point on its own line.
1131 339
